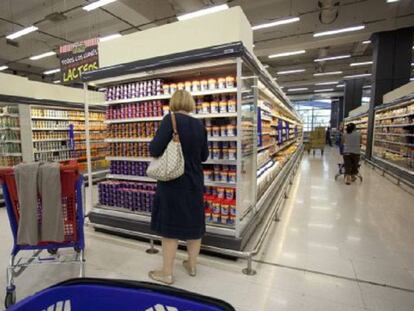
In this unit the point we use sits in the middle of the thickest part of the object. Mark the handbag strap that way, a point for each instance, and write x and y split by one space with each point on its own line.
176 136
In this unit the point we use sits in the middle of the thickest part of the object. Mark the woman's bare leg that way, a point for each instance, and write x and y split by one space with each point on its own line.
169 249
193 249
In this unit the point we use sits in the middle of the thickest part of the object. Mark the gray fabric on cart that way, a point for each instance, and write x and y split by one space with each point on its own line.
50 192
26 181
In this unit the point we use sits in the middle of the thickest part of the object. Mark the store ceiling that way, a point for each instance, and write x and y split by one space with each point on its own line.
64 21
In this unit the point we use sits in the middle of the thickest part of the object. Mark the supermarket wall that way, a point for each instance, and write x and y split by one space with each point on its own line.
220 28
12 85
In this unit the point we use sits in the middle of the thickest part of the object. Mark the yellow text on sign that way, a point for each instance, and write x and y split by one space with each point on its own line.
75 73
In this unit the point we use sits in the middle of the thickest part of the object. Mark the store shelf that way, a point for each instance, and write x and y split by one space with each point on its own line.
10 128
159 97
11 154
395 125
215 115
132 159
10 141
50 139
390 150
128 140
395 134
395 143
264 147
53 150
129 120
222 162
197 116
219 184
49 129
266 118
130 177
395 116
283 147
11 115
223 138
49 118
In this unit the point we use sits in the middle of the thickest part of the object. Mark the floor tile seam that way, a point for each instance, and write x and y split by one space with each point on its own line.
359 285
358 280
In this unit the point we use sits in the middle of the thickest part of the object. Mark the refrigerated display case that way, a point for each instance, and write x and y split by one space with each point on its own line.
255 139
361 122
393 141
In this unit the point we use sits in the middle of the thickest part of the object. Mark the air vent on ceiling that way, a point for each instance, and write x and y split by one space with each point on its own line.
56 17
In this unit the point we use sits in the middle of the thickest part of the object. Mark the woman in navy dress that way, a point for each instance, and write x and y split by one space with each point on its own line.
178 212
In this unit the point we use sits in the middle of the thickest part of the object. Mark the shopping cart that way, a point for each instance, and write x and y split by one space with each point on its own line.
71 185
113 295
341 172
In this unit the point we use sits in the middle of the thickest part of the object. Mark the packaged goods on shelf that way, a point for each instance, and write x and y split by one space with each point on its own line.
50 124
50 113
223 150
129 149
10 139
225 127
135 89
129 168
7 121
145 109
220 173
133 130
265 176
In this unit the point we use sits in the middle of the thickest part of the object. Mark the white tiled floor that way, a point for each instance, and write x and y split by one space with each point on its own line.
329 236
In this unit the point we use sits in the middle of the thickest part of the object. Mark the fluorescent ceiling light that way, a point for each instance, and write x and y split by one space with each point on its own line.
286 72
277 23
336 31
327 83
366 99
361 64
330 73
298 89
366 42
358 76
52 71
22 32
366 87
56 81
340 85
40 56
202 12
392 1
412 79
97 4
110 37
287 54
332 58
265 66
323 90
3 68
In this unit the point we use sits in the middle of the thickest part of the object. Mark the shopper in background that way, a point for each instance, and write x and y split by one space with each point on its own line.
352 151
178 212
328 139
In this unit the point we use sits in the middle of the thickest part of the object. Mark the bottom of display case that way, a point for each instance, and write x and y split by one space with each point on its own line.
395 169
136 224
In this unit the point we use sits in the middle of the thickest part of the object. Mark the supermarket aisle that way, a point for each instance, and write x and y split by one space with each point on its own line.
340 231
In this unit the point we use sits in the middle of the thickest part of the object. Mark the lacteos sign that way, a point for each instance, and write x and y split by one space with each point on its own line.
77 58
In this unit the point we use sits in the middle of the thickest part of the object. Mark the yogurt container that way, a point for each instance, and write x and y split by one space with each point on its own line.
221 82
212 84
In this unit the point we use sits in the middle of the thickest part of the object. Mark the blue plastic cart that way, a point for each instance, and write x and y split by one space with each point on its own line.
71 190
117 295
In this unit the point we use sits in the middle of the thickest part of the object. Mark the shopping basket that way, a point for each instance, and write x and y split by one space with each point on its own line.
117 295
71 191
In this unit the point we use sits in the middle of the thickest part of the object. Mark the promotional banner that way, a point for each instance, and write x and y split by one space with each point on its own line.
77 58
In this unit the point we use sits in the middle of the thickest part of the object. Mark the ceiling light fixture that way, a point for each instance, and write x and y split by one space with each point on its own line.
202 12
323 90
358 76
287 54
279 22
97 4
361 64
327 83
265 66
366 42
52 71
3 67
330 73
297 89
40 56
331 58
286 72
56 81
392 1
366 87
110 37
336 31
340 85
22 32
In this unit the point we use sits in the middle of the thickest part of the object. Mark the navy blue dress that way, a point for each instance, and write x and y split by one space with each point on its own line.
178 211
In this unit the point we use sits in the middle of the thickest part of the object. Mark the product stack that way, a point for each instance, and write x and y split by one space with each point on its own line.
10 142
134 112
59 135
394 134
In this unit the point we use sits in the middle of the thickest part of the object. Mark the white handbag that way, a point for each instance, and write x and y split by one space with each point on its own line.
170 165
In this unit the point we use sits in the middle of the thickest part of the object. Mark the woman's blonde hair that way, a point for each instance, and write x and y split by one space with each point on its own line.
182 100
